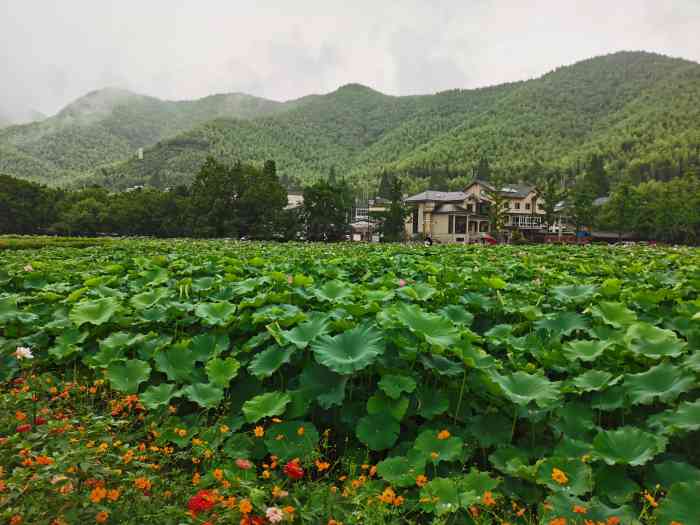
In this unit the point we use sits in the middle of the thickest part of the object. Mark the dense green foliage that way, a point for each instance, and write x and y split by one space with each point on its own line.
108 126
565 375
638 111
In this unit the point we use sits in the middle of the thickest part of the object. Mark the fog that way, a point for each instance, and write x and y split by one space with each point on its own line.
54 52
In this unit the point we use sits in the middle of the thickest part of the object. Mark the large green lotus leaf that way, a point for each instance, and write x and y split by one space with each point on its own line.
490 429
575 419
432 402
614 314
436 329
377 432
208 345
653 342
564 323
399 471
325 386
513 461
267 362
66 344
627 446
204 394
284 314
594 380
522 388
127 376
680 505
613 483
380 403
393 385
577 293
440 496
379 296
153 276
449 449
442 365
495 283
95 312
669 473
302 334
579 474
9 312
418 292
665 382
156 396
693 362
685 417
149 298
177 362
218 314
350 351
472 487
286 441
334 291
609 399
221 371
562 505
457 314
265 405
585 350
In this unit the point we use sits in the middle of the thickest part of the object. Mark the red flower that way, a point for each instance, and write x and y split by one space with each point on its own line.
24 428
257 520
40 420
201 502
293 470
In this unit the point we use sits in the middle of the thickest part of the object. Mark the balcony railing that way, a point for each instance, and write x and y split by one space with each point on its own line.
525 222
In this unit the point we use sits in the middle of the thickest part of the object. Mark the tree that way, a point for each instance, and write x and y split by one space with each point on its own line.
385 185
261 201
214 199
620 212
580 204
326 211
483 170
392 221
25 207
597 176
497 207
549 193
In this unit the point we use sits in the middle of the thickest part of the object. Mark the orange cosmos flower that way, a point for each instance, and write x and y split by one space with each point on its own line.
559 476
300 431
101 517
558 521
16 520
322 465
143 483
578 509
113 495
20 416
218 474
44 460
421 480
245 506
443 434
98 494
650 499
259 431
488 499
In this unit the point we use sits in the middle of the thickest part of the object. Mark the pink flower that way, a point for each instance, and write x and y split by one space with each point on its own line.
402 283
274 514
244 464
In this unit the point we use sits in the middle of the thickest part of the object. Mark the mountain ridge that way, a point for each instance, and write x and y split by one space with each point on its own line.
623 105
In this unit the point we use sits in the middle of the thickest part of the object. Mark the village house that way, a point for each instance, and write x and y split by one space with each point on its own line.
462 216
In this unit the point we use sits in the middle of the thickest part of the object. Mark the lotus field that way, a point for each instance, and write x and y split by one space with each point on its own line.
223 382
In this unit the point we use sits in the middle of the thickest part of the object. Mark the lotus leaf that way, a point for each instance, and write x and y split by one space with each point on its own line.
265 405
350 351
127 376
95 312
377 431
627 446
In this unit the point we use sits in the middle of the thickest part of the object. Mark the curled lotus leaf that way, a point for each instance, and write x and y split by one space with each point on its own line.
127 376
522 388
585 350
218 313
653 342
579 476
96 312
269 404
350 351
664 382
680 504
157 396
435 329
627 446
614 314
594 380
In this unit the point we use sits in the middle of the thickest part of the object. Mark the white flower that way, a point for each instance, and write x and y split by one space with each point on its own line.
274 514
23 352
29 268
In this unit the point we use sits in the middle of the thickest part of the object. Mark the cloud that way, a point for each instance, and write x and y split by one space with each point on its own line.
54 52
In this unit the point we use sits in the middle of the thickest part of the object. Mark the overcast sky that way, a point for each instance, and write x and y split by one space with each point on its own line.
52 52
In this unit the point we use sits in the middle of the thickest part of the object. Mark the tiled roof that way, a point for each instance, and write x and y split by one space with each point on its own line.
440 196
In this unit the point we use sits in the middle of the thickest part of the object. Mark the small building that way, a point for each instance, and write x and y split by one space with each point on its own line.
460 216
295 199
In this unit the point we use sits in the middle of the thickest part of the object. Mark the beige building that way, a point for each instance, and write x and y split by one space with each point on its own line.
460 216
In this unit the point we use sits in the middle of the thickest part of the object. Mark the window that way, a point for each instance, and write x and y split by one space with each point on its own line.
450 223
460 224
415 221
527 205
470 208
517 205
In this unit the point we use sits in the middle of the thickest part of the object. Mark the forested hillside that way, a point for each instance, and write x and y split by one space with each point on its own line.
111 125
640 111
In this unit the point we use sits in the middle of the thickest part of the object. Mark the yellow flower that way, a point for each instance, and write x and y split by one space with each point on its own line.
650 499
181 432
559 476
434 456
197 442
421 480
223 429
245 506
259 431
266 474
387 496
443 434
195 478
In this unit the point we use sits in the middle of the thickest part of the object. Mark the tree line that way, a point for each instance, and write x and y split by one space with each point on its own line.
236 201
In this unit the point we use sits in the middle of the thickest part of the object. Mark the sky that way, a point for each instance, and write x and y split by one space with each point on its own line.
52 52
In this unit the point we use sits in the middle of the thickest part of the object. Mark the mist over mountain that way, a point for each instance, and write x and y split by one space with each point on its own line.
640 110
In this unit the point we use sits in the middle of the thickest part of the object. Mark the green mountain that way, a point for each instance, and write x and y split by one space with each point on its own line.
110 125
641 111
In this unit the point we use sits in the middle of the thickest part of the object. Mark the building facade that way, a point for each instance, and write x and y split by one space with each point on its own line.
462 216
